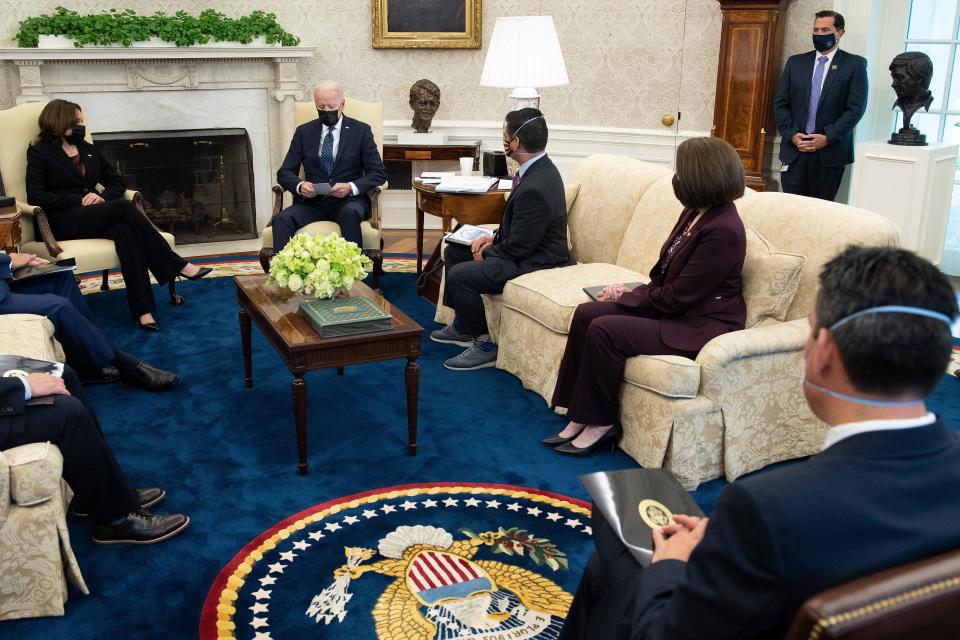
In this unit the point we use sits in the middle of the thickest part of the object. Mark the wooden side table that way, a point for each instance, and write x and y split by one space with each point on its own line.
9 228
466 208
405 154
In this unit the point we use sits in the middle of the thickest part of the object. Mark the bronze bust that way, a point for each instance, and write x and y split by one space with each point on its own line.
911 72
424 100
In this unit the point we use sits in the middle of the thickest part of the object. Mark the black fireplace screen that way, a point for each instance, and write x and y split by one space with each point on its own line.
196 184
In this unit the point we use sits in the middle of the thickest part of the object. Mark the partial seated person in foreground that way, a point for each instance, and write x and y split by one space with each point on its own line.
101 490
694 295
57 296
336 151
63 171
881 493
532 235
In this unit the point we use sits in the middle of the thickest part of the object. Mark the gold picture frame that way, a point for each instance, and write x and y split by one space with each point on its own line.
427 24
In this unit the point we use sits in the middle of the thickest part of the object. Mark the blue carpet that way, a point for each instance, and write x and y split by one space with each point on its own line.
227 455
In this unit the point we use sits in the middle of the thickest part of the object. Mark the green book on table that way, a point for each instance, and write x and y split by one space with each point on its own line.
345 316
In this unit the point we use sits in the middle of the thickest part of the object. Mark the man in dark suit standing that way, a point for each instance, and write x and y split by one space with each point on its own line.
821 98
57 297
333 150
532 235
881 493
101 490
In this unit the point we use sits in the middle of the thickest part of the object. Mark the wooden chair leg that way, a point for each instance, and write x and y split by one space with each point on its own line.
105 283
175 298
377 257
265 255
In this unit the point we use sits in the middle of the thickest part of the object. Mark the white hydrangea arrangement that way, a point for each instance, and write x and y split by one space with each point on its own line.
319 265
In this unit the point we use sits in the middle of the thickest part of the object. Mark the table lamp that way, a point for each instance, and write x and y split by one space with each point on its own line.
524 53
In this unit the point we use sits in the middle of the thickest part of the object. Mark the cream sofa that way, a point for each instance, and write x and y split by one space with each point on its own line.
36 559
739 406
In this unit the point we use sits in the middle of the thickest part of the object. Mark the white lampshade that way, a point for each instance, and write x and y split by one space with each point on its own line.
524 52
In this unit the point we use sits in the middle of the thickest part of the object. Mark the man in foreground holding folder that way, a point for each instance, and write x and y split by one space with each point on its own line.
880 494
532 235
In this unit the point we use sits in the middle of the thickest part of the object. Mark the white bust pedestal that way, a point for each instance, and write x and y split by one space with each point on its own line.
412 137
910 185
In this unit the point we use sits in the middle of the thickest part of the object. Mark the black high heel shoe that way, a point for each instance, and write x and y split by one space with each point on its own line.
554 441
608 440
199 274
148 326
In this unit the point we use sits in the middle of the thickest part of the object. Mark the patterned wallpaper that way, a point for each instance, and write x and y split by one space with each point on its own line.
624 57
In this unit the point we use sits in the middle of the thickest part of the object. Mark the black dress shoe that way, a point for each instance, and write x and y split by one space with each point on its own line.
103 375
148 497
554 441
149 326
150 378
199 274
141 527
608 440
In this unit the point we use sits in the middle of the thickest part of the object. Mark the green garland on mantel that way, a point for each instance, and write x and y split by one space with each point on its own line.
126 27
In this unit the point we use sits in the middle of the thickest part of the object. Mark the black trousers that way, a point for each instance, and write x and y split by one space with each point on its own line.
602 604
602 336
99 484
139 246
347 212
808 177
465 279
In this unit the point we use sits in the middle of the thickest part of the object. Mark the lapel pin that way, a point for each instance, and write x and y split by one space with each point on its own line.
833 67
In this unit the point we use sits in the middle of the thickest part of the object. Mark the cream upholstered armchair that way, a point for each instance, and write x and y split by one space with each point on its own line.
18 128
370 113
36 559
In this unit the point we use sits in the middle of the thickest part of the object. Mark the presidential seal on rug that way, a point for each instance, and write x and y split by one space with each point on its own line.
417 562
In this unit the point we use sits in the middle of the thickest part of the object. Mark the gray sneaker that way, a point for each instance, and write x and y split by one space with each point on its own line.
451 335
481 355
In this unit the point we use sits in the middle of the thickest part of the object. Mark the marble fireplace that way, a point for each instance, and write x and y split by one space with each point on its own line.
169 89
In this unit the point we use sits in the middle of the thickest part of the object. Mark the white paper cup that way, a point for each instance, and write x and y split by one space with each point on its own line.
466 166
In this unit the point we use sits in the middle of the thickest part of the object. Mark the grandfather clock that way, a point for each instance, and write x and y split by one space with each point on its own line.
751 41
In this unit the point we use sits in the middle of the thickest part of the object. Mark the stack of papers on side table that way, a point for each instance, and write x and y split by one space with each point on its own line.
465 184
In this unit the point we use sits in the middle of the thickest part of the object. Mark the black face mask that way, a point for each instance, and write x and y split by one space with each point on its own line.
328 118
824 42
79 131
507 151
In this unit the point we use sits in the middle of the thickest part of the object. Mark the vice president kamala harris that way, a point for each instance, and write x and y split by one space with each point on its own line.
694 295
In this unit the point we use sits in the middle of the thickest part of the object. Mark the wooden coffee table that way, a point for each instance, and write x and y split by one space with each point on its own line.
274 309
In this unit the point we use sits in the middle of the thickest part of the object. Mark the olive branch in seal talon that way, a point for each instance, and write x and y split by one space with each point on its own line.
519 542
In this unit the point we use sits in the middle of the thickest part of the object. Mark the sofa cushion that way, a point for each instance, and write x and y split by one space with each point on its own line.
550 296
671 376
28 336
34 472
770 279
570 192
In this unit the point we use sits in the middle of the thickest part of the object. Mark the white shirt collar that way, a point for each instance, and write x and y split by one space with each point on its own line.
843 431
526 165
829 56
323 130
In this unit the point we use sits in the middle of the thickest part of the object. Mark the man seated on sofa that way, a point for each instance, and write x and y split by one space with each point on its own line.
880 494
101 490
532 235
58 297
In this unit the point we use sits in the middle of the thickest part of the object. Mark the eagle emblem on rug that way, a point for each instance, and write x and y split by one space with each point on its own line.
440 589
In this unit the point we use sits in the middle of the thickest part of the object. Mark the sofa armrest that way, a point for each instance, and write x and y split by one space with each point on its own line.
756 342
35 471
4 489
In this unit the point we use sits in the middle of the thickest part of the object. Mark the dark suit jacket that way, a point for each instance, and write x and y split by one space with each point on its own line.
55 184
701 294
843 101
5 274
357 161
869 502
533 227
12 406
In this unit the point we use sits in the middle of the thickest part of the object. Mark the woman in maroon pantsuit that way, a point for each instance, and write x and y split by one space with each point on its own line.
694 295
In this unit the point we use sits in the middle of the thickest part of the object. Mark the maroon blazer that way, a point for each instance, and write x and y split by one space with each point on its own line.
700 296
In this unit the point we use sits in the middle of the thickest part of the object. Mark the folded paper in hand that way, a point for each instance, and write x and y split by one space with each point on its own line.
467 233
322 188
635 501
